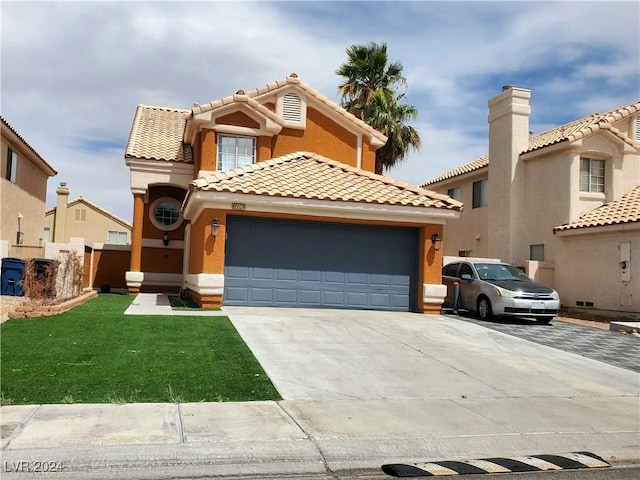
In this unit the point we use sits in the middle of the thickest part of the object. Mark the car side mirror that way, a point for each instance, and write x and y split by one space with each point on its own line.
467 276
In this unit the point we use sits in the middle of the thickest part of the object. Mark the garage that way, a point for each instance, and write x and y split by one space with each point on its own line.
272 262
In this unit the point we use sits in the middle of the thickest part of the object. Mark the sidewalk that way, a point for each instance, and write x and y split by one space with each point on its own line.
305 437
474 393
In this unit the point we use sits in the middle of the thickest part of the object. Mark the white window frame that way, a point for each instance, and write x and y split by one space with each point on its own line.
120 237
236 154
12 165
589 177
161 226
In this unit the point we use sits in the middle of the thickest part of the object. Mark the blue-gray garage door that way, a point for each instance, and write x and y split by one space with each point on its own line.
312 264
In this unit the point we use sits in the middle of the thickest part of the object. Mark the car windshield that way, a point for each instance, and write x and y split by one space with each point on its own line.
497 271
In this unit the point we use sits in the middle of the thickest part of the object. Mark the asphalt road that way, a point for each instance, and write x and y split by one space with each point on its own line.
631 472
605 346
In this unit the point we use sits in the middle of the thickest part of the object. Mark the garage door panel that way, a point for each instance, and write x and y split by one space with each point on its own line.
357 278
333 265
334 277
310 276
310 297
261 295
286 275
236 294
334 299
286 296
357 299
261 273
380 300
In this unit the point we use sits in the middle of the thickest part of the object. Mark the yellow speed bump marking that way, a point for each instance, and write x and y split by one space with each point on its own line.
532 463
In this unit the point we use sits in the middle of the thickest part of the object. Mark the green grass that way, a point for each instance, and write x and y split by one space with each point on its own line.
96 354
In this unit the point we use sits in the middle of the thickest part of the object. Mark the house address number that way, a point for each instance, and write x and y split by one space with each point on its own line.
238 206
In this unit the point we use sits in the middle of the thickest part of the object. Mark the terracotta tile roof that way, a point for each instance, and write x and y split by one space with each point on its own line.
584 127
569 132
311 176
279 84
625 210
239 97
156 134
45 165
466 168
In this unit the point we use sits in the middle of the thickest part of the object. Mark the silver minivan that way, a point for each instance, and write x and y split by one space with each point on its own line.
497 289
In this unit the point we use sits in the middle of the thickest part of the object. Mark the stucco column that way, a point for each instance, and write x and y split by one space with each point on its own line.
134 276
433 292
205 279
60 217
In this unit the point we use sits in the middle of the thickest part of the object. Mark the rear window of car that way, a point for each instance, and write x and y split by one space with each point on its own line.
450 270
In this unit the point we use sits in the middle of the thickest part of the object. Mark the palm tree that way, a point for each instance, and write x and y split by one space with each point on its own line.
370 93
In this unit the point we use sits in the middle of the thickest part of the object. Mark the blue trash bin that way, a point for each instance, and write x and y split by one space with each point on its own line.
11 276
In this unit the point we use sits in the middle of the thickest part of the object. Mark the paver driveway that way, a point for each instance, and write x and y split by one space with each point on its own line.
317 354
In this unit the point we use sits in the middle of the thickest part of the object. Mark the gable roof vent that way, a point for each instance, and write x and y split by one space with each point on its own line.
292 108
637 128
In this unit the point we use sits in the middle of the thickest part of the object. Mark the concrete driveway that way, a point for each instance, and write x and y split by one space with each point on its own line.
315 354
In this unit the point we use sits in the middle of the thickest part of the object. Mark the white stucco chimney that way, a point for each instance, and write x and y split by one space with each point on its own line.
60 218
508 138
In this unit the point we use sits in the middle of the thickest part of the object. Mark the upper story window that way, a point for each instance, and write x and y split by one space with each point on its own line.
480 193
454 193
234 152
12 166
117 238
591 175
81 215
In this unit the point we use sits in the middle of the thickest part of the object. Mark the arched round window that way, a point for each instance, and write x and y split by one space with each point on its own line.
165 214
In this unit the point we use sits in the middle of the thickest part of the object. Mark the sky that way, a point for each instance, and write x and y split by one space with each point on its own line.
73 72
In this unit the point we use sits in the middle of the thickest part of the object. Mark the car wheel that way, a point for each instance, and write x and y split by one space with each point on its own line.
484 308
544 320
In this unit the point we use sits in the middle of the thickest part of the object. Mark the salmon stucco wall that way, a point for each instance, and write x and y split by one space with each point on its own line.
207 252
148 229
208 151
238 119
109 267
322 136
430 266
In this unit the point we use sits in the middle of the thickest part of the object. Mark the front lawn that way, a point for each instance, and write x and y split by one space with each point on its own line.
96 354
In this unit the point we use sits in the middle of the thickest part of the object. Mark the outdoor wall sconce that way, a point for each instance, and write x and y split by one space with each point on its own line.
436 241
215 227
165 239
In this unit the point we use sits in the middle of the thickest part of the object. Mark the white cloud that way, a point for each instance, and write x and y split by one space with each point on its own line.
73 72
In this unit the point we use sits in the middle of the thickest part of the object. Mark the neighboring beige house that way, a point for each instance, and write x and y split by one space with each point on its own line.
83 219
23 189
562 204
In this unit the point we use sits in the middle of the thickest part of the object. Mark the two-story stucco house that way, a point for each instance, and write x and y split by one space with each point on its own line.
82 218
23 189
268 197
563 204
